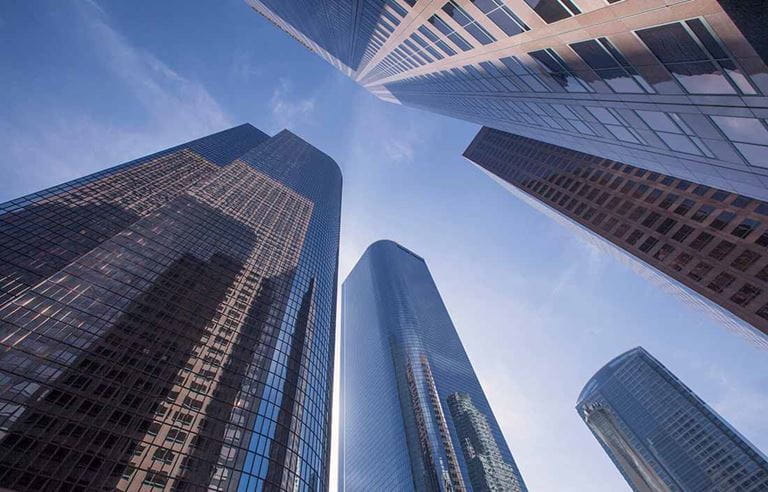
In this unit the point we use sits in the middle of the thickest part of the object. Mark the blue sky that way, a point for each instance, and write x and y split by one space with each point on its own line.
85 85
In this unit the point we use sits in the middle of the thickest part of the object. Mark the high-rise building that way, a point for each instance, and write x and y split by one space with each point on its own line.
672 86
707 245
661 436
169 323
413 414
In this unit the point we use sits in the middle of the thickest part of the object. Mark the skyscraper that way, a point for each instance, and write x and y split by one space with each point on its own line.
708 245
676 87
661 436
413 414
169 323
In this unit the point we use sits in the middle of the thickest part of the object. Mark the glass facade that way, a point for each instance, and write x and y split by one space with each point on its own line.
585 75
413 414
709 245
661 436
168 323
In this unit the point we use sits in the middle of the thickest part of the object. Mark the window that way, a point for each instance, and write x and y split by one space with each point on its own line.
666 226
701 241
681 261
745 228
616 124
701 190
745 260
721 250
651 219
664 252
700 271
175 435
444 28
653 195
741 201
763 312
721 282
674 132
526 75
722 220
748 135
746 294
155 479
469 24
611 66
682 233
668 201
559 70
762 209
648 244
502 16
685 206
702 213
633 238
695 58
553 10
163 455
762 240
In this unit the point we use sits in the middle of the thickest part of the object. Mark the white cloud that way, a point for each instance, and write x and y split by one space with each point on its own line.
57 144
288 111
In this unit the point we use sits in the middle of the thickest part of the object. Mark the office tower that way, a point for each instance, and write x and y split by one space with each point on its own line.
707 245
169 323
661 436
672 86
413 414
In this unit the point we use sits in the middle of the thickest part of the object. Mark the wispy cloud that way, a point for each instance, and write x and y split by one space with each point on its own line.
289 111
172 108
176 103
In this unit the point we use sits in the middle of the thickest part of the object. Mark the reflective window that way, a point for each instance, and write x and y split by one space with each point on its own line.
695 58
469 24
524 73
559 71
444 28
616 124
674 132
502 16
553 10
611 66
748 135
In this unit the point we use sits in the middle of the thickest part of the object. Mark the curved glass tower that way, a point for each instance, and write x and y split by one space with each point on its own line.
414 415
169 323
661 436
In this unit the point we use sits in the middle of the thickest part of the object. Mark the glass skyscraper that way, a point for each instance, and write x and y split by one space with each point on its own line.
708 246
168 323
672 86
413 414
661 436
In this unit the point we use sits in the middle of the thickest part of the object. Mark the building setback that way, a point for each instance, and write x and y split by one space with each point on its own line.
169 323
661 436
673 86
413 414
710 245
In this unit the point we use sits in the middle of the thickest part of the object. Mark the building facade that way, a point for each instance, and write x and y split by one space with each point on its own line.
413 414
678 87
661 436
708 245
168 323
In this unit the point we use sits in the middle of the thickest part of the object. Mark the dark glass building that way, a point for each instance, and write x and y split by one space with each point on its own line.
661 436
168 323
413 414
707 245
672 86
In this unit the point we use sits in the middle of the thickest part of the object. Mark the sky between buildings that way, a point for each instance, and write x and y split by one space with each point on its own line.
85 85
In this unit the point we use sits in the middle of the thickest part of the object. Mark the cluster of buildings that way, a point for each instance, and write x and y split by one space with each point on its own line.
169 323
